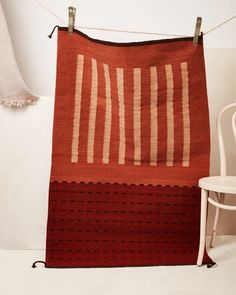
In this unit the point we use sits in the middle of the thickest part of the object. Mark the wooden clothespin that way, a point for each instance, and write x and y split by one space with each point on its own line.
71 20
197 30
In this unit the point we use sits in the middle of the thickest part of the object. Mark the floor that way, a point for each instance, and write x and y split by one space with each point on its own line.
18 277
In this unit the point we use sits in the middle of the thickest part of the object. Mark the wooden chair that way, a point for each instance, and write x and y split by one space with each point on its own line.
220 185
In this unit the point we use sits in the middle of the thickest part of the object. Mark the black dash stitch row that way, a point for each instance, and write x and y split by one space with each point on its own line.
157 194
123 242
123 203
123 231
120 212
111 250
119 221
125 258
112 211
114 251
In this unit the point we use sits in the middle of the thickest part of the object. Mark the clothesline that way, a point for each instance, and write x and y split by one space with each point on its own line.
131 31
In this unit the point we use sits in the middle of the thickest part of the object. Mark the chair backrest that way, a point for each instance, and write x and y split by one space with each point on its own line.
220 135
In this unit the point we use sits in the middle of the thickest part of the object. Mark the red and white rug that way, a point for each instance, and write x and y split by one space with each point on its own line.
130 141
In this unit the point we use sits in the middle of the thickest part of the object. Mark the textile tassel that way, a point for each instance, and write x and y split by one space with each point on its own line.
39 261
211 265
50 35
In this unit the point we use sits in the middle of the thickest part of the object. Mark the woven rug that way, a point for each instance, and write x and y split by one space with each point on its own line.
130 141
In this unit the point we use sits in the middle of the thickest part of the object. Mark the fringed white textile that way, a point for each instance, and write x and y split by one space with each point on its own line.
13 91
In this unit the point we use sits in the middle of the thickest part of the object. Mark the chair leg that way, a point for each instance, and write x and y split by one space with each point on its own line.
202 242
216 221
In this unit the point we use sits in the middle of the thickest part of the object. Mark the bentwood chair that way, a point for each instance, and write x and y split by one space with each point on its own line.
220 185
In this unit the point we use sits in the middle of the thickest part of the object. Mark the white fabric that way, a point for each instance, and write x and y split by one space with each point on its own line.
13 91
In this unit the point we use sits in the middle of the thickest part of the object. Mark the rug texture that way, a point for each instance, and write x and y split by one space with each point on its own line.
130 141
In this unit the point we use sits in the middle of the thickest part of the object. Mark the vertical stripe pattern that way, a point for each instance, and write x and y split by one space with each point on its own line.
108 114
92 112
153 113
77 109
170 116
186 118
137 116
120 89
140 105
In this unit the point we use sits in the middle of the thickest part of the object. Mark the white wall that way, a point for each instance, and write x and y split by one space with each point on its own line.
25 155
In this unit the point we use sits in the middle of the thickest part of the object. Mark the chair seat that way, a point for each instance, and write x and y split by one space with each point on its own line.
221 184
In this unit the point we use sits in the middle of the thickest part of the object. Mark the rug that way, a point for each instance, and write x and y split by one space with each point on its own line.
130 141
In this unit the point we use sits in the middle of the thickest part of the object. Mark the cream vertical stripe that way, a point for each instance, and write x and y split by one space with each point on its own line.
92 112
120 87
153 111
137 116
170 116
186 118
77 107
107 129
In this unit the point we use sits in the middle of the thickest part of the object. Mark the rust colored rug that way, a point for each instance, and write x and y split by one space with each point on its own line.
130 141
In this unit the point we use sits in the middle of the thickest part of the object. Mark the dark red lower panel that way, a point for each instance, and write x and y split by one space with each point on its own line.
98 225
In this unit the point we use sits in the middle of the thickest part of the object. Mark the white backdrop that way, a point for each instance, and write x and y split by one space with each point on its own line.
25 149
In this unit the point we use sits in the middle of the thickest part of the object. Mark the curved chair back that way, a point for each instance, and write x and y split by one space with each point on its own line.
220 135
